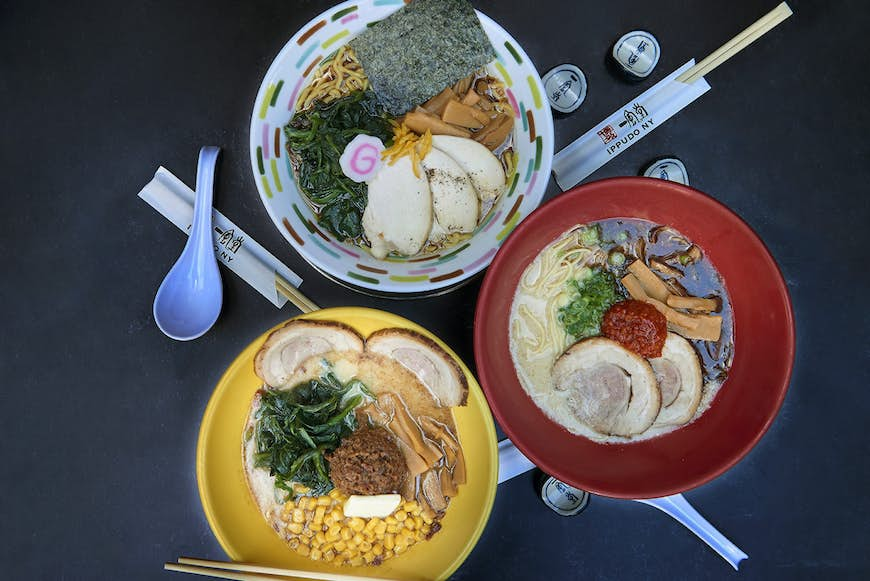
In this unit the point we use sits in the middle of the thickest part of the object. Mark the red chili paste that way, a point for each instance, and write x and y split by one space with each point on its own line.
637 326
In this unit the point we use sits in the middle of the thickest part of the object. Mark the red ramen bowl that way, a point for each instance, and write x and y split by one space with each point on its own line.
745 405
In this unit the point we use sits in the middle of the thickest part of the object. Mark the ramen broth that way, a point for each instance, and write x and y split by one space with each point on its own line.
537 337
341 74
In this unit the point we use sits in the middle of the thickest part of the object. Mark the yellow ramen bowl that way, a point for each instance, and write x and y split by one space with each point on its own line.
244 533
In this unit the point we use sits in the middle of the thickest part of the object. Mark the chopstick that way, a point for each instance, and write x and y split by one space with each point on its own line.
247 572
294 295
752 33
218 574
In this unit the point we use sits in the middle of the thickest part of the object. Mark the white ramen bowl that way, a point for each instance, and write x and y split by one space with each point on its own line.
353 265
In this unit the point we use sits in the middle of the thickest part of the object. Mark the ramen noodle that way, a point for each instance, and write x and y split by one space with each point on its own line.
339 75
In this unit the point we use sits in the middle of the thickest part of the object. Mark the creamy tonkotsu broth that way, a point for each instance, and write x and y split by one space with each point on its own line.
538 337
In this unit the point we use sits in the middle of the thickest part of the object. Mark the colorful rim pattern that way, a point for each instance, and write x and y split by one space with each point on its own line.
274 106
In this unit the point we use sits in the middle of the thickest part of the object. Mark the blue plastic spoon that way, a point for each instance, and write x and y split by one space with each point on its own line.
189 299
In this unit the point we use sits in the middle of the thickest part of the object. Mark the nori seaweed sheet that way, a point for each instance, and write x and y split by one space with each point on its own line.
418 51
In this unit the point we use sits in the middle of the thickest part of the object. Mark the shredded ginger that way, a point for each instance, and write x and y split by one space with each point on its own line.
406 142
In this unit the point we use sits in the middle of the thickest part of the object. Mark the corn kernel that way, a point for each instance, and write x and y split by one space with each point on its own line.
340 546
293 543
318 515
301 502
389 541
346 533
400 516
400 549
392 529
370 526
420 536
337 514
351 554
356 562
365 546
391 520
315 554
323 501
333 533
418 522
428 516
303 550
298 516
329 556
368 535
295 528
378 550
409 524
319 539
357 539
357 524
327 546
410 506
380 529
368 557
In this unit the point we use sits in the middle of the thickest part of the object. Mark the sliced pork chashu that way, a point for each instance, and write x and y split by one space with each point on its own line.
286 349
678 372
609 388
432 365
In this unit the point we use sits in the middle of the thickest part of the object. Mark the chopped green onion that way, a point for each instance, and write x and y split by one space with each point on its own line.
616 258
591 236
590 299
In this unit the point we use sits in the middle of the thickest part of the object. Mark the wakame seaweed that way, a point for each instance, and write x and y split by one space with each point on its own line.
294 429
316 138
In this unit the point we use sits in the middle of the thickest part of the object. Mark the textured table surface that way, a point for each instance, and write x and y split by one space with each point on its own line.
99 411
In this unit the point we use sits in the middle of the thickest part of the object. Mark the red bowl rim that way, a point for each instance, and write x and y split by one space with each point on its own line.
490 286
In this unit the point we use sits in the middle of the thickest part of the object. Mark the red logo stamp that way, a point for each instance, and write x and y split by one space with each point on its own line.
607 134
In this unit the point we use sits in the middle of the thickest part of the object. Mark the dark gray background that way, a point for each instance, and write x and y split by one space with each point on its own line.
99 412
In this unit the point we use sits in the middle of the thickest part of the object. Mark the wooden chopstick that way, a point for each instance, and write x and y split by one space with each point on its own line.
219 574
256 572
752 33
294 295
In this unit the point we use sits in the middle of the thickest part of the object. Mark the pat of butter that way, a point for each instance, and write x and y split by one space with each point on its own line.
378 505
